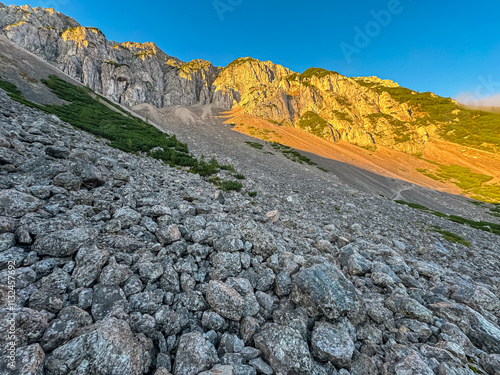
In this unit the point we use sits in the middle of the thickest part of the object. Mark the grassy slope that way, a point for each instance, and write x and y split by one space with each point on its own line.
457 124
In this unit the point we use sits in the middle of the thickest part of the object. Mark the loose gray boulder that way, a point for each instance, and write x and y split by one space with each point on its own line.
16 204
322 289
284 349
109 349
194 355
332 343
168 234
64 242
225 300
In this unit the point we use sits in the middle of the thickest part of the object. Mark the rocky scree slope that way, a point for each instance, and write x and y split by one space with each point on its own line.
365 111
127 266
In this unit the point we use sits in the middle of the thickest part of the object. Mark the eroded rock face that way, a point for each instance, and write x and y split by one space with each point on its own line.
327 104
129 73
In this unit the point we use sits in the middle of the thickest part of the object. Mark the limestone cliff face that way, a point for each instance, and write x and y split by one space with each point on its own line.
324 103
129 73
327 104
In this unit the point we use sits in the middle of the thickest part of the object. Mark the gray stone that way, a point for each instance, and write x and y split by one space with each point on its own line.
491 363
219 370
65 327
413 364
228 244
29 360
57 152
323 290
108 300
225 300
110 348
64 242
115 274
332 343
409 308
261 366
226 265
284 349
68 181
194 355
212 321
127 217
283 284
89 262
16 204
168 234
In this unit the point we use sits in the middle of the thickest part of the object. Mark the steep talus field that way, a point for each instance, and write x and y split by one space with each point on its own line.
369 112
122 264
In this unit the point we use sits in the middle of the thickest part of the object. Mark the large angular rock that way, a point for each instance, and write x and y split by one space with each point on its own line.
110 348
29 361
409 308
323 290
127 217
90 174
284 349
16 204
226 265
225 300
482 332
51 295
89 262
168 234
332 343
64 242
194 355
413 364
30 325
64 327
108 300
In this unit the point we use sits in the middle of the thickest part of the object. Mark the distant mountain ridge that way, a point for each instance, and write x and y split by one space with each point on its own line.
365 111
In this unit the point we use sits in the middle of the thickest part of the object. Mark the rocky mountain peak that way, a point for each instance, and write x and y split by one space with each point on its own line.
366 111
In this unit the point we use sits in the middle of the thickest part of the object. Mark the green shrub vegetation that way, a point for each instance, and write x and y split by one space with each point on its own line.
252 194
470 182
231 185
239 176
482 225
115 64
86 111
457 124
316 72
342 116
238 62
312 123
292 154
256 145
452 237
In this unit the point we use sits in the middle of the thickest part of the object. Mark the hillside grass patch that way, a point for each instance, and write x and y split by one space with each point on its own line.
86 111
471 183
481 225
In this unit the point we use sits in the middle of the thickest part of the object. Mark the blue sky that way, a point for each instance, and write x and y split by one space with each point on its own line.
450 48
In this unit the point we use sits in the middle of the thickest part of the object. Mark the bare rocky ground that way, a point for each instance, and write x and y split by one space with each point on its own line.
126 266
203 129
